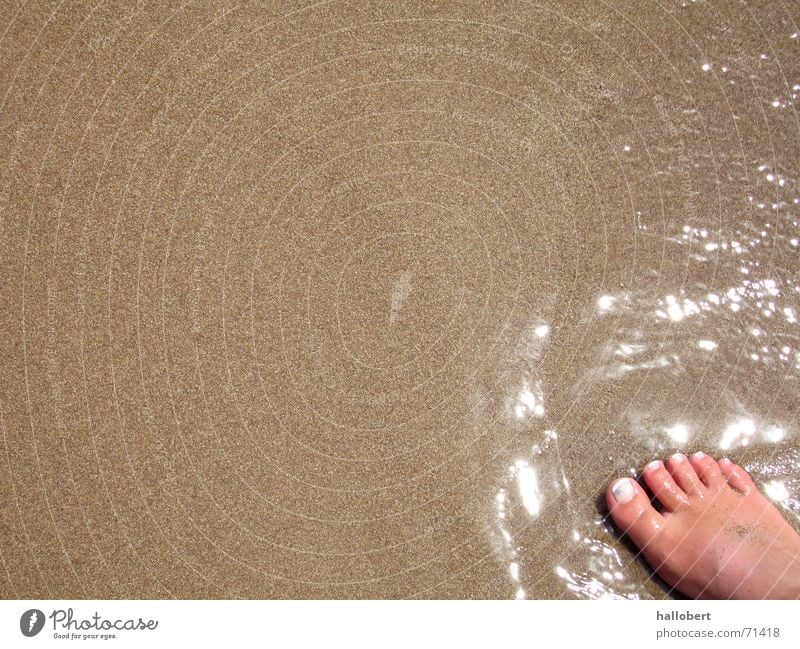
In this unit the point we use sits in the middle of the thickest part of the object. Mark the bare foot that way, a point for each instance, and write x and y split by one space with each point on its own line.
717 536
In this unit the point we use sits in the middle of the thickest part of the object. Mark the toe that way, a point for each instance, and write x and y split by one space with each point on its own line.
707 470
736 476
663 486
684 474
632 512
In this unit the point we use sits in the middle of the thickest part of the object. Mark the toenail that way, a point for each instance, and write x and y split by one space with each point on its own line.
655 464
726 460
623 490
679 457
699 455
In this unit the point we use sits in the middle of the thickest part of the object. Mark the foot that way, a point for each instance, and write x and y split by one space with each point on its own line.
715 537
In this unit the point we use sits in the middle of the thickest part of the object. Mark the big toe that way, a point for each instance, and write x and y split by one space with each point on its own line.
632 511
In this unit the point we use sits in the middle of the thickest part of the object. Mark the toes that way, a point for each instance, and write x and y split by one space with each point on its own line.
663 486
707 470
684 474
632 512
736 476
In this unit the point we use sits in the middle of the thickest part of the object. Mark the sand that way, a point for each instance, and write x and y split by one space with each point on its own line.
350 299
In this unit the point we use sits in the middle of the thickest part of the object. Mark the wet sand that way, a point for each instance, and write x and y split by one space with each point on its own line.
353 299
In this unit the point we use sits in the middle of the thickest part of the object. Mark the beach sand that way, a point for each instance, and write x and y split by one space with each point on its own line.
372 300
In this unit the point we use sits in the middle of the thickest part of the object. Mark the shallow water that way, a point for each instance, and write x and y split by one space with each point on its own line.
373 300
